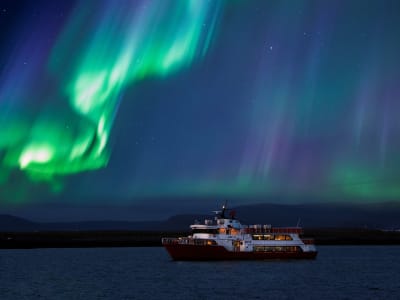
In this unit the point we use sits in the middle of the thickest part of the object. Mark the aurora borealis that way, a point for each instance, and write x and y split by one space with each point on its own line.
243 99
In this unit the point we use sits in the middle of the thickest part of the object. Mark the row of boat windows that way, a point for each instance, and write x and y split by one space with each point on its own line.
202 242
276 249
231 231
197 242
272 237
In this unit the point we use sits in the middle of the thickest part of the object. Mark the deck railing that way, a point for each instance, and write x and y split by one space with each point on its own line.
266 230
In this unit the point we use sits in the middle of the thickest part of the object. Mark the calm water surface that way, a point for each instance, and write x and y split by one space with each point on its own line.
339 272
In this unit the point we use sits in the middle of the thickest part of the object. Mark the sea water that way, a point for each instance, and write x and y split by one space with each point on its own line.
339 272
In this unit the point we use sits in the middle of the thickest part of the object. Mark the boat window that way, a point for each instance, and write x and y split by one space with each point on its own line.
282 237
257 236
269 237
234 232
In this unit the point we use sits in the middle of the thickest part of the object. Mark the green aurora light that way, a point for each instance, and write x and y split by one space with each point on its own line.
118 46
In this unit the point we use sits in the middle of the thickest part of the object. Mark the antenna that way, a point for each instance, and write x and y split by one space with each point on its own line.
298 222
223 209
225 204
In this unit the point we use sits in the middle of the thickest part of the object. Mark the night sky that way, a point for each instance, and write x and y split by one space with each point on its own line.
152 101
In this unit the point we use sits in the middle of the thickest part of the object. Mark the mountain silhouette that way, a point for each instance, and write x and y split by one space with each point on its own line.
374 216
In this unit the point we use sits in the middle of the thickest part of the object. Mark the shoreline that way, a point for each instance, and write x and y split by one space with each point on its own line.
128 238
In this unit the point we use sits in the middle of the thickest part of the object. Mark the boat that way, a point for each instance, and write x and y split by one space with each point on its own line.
225 238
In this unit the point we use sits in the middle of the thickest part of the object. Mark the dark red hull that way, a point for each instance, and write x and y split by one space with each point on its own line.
196 252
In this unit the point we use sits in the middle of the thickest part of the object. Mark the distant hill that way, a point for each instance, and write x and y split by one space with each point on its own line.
12 223
15 224
381 216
